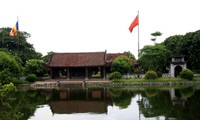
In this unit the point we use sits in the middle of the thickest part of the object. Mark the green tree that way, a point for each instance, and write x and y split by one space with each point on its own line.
132 56
9 66
190 47
35 66
121 64
153 57
155 34
18 45
173 44
187 45
47 57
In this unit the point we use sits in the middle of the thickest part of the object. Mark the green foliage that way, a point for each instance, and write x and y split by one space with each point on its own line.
36 67
115 75
173 44
6 77
150 75
18 105
132 56
187 92
159 74
151 92
121 98
7 99
187 45
186 74
18 45
10 64
31 78
121 64
47 57
153 57
157 33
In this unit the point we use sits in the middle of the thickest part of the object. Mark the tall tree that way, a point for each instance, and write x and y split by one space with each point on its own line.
173 44
155 34
190 47
18 45
187 45
10 67
154 57
121 64
47 57
34 66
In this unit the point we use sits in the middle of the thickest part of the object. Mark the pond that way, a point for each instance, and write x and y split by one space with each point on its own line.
70 103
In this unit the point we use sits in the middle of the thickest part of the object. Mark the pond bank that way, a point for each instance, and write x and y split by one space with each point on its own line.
132 84
103 83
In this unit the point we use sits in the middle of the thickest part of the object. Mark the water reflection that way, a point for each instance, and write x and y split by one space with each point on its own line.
109 103
80 101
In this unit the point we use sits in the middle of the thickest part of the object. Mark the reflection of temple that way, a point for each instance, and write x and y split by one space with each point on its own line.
177 98
80 101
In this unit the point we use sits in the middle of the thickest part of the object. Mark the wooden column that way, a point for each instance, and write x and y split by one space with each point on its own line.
104 72
68 73
51 73
86 73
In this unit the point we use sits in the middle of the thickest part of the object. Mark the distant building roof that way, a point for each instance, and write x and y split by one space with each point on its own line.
112 56
77 59
87 59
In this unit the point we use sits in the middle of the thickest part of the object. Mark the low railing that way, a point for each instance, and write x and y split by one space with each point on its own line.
165 75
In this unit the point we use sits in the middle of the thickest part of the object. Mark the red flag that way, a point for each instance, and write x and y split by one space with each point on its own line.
134 23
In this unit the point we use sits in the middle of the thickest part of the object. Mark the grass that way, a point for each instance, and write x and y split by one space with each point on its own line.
156 80
20 82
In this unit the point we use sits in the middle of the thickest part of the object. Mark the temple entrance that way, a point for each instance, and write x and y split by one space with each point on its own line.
178 69
77 73
177 65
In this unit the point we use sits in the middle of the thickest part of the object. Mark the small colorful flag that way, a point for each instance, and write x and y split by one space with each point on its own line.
134 23
14 30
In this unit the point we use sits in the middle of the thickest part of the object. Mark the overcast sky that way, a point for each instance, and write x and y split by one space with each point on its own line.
98 25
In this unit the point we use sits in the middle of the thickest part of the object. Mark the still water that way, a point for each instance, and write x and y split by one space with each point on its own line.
110 103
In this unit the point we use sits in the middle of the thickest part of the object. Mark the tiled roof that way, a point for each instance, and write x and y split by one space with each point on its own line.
112 56
77 59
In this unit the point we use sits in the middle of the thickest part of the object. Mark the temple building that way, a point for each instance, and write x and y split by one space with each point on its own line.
85 65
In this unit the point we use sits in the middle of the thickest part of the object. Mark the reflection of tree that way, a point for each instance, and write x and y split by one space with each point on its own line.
161 105
191 109
187 92
19 105
7 92
150 92
157 105
122 98
27 102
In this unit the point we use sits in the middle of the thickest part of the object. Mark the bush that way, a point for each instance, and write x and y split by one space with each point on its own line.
5 77
115 75
31 78
186 74
150 75
36 67
159 74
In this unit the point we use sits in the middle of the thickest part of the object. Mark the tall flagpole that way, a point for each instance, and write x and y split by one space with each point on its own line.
17 25
18 22
138 36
